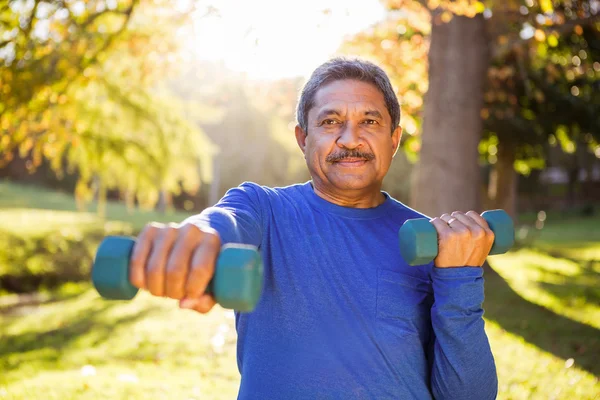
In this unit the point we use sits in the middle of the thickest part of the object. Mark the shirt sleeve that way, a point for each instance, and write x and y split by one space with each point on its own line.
462 364
237 217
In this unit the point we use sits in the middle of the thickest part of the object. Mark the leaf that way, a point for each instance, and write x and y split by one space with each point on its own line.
546 6
552 41
446 17
540 35
479 7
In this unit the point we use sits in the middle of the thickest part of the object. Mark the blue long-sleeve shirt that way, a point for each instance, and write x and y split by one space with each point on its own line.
342 316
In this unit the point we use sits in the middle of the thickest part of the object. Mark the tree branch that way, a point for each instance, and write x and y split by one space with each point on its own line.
127 13
29 26
86 63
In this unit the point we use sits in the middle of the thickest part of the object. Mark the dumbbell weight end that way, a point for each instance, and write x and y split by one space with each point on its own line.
236 284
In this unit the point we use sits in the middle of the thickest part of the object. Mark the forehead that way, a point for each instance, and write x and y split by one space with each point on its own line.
345 92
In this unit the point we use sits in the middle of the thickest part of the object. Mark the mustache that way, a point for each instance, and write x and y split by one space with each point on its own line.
349 154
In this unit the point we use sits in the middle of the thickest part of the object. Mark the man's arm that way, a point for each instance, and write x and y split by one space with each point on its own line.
462 365
462 362
237 217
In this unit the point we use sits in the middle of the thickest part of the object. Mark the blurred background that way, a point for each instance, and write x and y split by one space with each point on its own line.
115 113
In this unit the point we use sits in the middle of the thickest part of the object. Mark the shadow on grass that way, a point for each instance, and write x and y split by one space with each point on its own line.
48 347
20 303
551 332
585 284
582 286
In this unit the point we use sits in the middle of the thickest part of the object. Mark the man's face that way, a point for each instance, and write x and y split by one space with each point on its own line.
349 144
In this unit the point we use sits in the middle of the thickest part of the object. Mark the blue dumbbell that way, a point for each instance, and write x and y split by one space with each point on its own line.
236 284
419 241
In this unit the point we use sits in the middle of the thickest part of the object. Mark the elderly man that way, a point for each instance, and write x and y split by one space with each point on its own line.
342 315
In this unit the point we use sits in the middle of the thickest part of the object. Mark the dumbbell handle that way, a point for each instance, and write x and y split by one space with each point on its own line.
419 241
236 284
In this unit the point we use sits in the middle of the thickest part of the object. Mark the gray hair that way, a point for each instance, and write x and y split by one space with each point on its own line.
341 68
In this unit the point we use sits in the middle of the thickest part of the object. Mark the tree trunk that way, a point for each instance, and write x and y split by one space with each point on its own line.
448 177
503 180
130 200
214 194
165 201
573 174
101 197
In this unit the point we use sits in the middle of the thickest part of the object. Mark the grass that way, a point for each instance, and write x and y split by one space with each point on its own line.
82 347
29 209
542 314
44 240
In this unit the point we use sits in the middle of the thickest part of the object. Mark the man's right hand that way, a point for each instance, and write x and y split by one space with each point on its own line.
177 262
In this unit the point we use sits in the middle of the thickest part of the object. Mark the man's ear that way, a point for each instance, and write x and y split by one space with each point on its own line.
301 138
396 136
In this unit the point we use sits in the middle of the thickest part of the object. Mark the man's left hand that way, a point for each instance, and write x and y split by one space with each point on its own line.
463 239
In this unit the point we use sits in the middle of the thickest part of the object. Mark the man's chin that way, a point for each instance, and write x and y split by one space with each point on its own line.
352 182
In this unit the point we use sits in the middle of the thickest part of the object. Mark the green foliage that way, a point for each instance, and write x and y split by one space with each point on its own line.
534 96
81 88
43 262
49 44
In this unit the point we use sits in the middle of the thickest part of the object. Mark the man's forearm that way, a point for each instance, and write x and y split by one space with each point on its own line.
463 365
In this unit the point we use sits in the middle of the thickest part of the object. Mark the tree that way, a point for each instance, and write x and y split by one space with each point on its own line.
535 94
82 84
447 177
513 56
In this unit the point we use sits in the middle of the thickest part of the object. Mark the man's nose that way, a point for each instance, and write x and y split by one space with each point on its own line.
349 136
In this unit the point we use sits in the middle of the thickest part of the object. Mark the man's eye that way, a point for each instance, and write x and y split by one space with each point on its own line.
371 122
329 122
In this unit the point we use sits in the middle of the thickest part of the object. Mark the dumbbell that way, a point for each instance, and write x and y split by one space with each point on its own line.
419 241
236 284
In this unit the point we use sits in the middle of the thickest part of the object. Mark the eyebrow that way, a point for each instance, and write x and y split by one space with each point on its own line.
328 111
374 113
331 111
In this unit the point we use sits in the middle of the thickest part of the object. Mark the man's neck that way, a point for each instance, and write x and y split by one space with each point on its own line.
353 199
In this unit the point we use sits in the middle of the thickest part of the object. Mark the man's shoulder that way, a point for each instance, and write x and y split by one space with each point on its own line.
403 211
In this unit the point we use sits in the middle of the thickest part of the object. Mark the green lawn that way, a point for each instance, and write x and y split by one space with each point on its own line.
542 317
30 209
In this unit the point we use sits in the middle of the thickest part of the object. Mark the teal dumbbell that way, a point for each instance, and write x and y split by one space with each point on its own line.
236 284
419 241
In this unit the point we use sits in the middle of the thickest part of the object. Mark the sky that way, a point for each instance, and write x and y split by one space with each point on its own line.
271 39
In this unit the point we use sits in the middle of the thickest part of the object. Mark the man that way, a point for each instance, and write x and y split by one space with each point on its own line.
342 316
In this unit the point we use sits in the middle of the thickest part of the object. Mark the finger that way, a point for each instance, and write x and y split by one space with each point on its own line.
449 219
483 223
203 304
178 262
479 219
477 231
455 224
202 265
441 227
139 256
446 217
176 269
155 272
